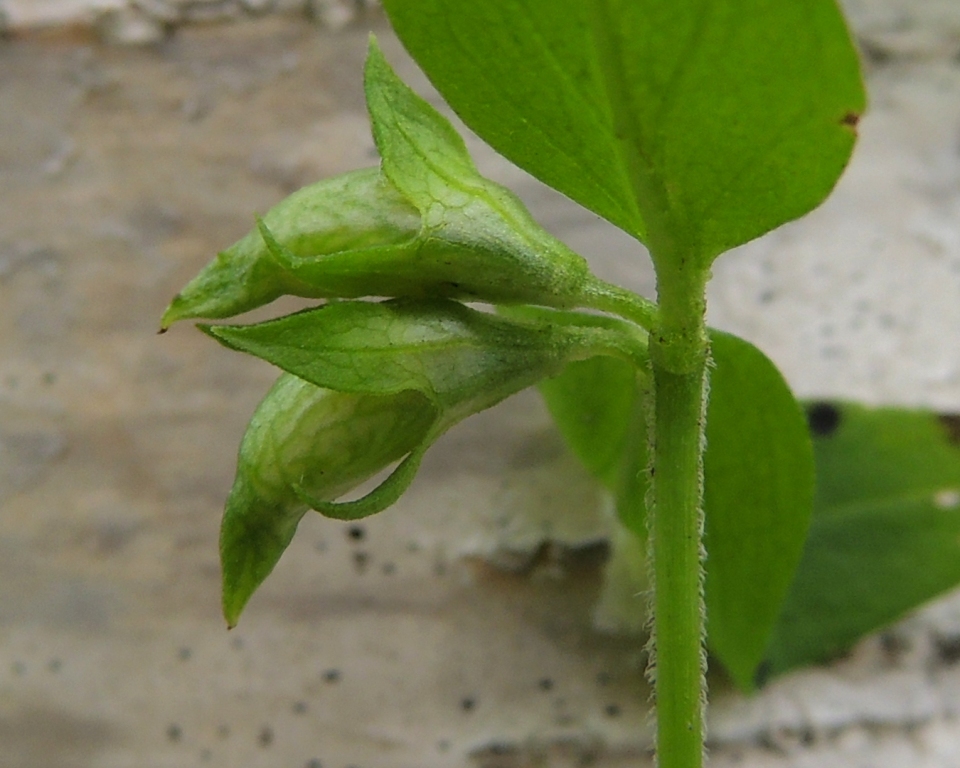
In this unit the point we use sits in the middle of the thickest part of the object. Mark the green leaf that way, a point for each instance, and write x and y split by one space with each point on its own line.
880 453
694 125
885 535
758 476
598 406
304 439
758 494
592 403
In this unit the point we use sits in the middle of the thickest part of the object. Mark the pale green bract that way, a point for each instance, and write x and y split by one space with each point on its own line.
427 225
376 383
321 441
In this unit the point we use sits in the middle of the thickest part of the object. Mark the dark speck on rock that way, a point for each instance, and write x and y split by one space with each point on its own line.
356 533
948 649
331 676
265 737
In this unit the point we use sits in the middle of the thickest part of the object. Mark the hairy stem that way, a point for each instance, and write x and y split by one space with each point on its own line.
679 357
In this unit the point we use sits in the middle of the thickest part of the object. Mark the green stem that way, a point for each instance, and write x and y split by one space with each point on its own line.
678 601
679 354
612 336
607 297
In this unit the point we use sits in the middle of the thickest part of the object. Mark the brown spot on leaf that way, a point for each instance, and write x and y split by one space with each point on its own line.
823 418
850 119
951 424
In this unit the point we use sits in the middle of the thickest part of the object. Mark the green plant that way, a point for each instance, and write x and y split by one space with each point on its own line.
694 126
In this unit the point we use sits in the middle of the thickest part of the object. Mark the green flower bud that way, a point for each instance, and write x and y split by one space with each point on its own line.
461 359
428 225
347 223
385 381
305 439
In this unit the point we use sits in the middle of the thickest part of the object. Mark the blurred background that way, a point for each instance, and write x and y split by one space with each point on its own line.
138 138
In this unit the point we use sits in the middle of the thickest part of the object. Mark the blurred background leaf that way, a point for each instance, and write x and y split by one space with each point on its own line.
885 535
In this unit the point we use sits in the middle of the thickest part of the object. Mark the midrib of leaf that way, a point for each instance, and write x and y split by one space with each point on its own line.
406 348
670 87
631 214
628 136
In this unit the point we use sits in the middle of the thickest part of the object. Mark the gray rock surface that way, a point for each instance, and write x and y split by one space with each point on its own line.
455 629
